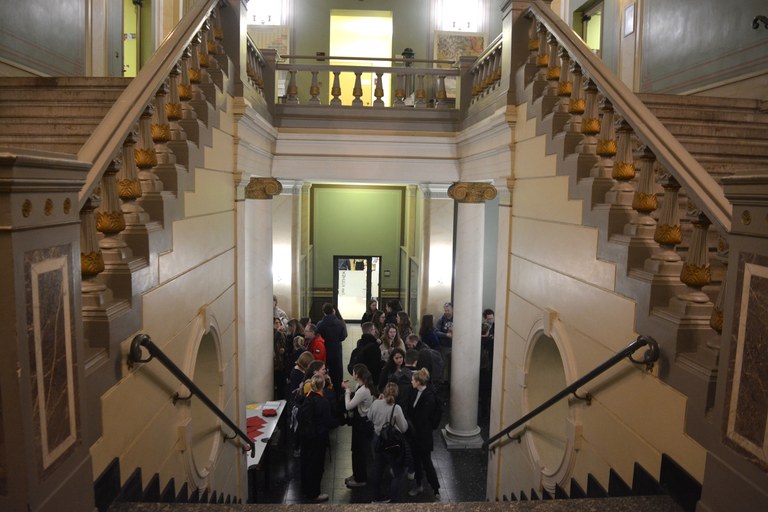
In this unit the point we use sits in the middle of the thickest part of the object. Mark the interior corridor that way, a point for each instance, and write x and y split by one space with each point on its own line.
461 473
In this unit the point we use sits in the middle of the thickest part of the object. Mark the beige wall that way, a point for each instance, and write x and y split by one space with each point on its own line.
197 293
557 287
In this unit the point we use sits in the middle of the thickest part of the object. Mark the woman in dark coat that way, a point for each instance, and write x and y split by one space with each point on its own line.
421 412
314 440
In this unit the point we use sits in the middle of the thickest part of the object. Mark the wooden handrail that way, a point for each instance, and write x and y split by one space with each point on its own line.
107 138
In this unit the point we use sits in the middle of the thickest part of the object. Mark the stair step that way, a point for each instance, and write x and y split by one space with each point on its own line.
624 504
61 88
25 109
715 129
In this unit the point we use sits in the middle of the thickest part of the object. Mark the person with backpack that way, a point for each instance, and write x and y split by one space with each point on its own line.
314 423
424 412
389 445
360 402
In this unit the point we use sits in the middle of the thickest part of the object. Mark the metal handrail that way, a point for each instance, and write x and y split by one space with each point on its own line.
135 356
651 356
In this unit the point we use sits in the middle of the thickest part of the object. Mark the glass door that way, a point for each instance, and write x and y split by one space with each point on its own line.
356 280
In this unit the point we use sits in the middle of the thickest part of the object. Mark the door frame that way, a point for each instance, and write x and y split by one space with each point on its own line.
368 283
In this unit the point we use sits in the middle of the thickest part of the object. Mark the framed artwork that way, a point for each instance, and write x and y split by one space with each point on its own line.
629 19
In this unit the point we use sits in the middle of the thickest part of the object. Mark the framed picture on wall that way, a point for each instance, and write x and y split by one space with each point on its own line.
629 19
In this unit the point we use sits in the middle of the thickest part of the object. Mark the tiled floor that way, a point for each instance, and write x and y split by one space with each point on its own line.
462 473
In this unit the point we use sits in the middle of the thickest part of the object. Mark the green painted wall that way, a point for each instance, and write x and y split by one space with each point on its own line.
43 36
688 44
360 221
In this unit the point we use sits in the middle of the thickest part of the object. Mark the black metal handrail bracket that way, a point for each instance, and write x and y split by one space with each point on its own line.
650 356
135 355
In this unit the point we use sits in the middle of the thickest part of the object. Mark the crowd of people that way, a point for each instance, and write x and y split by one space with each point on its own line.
395 377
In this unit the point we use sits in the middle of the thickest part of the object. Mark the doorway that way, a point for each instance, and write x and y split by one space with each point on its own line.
356 280
356 33
591 21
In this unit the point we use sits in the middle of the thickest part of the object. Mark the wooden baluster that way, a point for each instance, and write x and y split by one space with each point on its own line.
173 109
292 91
250 63
420 95
185 86
668 233
542 55
606 140
195 71
533 41
576 103
145 156
400 91
91 259
314 90
476 82
109 216
697 272
486 73
496 65
441 95
562 89
644 199
129 184
716 318
553 68
590 121
336 90
202 47
378 91
161 129
623 169
357 90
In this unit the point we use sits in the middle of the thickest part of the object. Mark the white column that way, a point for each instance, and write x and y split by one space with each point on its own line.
258 288
462 430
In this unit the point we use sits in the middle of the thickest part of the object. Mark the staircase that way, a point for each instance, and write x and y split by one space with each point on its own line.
726 135
54 113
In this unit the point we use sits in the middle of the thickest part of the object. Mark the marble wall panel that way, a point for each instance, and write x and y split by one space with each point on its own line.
50 338
748 405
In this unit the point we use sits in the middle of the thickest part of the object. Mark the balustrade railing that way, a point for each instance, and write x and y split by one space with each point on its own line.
354 82
638 171
134 165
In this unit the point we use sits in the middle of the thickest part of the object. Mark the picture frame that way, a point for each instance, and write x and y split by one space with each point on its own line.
629 19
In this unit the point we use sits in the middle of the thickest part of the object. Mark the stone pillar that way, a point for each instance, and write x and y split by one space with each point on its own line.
462 430
258 288
286 229
437 249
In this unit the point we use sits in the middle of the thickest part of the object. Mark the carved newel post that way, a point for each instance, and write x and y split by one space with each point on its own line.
258 288
462 430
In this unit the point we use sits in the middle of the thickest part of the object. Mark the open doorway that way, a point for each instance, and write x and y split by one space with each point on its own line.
588 23
356 280
356 33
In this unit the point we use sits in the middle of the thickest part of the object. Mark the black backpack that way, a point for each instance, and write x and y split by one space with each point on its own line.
391 440
306 418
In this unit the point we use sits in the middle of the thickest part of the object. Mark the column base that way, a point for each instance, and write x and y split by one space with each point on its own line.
461 440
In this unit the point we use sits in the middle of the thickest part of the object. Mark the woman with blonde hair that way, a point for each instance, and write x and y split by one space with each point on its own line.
385 410
423 411
314 423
